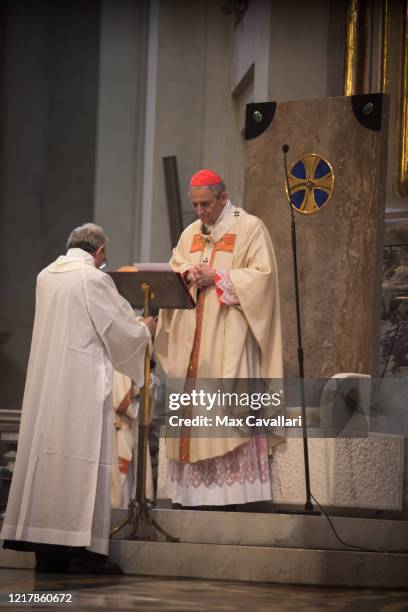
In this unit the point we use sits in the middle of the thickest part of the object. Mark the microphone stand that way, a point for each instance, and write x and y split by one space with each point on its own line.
308 504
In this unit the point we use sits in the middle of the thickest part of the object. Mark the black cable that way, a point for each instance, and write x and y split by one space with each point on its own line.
353 546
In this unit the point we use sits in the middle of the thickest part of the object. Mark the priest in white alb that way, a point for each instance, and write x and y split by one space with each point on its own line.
125 443
227 258
59 502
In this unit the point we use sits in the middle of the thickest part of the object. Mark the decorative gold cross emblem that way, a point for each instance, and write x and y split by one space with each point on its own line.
311 182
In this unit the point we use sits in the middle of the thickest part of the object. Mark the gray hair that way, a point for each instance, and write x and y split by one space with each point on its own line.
217 189
88 237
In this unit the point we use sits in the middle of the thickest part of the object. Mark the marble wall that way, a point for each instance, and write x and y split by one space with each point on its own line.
340 247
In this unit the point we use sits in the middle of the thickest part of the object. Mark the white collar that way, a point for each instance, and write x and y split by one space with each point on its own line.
75 259
79 255
224 225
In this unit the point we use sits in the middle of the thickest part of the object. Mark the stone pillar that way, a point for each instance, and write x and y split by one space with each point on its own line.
121 126
174 112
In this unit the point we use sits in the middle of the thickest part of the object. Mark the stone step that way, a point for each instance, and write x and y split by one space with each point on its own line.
282 548
249 563
261 564
279 530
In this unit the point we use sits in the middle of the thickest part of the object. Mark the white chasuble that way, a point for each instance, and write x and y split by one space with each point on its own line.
219 341
61 487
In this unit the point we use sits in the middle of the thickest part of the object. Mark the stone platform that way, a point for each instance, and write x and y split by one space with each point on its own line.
281 548
262 547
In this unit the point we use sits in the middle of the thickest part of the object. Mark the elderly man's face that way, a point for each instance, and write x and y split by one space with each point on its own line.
206 205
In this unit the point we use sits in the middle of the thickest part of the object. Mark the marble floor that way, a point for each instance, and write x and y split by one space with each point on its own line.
178 595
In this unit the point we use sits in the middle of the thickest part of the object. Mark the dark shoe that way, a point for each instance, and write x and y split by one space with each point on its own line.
46 565
91 566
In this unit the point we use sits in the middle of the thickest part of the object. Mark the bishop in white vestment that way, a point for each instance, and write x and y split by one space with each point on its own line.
235 332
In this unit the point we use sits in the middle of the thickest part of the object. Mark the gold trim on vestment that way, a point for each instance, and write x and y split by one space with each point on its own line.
226 244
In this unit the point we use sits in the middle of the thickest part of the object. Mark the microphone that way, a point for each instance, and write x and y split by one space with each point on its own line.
308 505
285 149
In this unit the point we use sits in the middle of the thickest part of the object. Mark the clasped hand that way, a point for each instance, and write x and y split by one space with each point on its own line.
201 275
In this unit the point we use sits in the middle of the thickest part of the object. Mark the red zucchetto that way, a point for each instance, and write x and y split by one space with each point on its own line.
205 177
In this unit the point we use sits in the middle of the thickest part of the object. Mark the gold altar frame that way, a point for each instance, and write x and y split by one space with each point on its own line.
403 113
355 72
